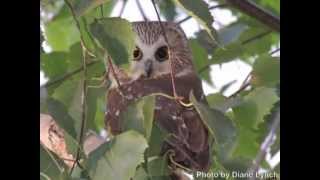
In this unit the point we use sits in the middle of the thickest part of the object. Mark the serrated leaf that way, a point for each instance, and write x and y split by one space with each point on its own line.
255 106
139 116
200 11
248 115
266 71
109 32
200 60
221 127
82 7
119 158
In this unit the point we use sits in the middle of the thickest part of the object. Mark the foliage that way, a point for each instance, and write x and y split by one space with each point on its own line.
238 124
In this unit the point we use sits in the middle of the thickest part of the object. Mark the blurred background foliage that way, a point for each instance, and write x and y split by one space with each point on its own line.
252 109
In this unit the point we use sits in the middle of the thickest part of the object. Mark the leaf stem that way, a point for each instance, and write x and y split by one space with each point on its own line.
169 47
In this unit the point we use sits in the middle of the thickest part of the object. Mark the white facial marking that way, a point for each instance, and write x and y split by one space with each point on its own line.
148 52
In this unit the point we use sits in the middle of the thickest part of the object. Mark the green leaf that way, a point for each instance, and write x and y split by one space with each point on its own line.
119 158
200 60
82 7
110 32
227 53
205 41
107 8
222 103
158 167
168 9
256 105
156 140
61 33
60 114
148 112
266 71
140 174
92 106
200 11
248 115
54 64
139 116
231 33
221 127
49 165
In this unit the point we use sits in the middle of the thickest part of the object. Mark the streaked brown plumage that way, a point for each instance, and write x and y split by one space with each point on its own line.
191 136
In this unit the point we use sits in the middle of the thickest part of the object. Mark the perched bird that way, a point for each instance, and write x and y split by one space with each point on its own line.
150 73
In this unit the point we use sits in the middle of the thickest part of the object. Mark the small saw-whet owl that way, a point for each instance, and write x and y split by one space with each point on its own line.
150 73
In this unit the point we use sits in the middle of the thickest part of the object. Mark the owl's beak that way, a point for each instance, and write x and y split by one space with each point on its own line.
148 67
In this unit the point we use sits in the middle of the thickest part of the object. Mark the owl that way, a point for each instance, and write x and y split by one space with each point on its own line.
150 73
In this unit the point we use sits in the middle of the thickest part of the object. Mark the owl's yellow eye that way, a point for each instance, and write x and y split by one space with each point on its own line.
162 54
137 54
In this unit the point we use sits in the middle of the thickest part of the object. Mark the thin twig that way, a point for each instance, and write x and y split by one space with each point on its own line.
84 91
124 2
258 36
212 7
246 79
66 76
110 65
83 106
268 141
275 51
145 18
169 49
239 90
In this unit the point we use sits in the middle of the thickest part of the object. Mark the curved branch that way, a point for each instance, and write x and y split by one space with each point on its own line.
250 8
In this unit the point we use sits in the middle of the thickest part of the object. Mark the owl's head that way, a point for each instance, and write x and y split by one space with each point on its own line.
151 55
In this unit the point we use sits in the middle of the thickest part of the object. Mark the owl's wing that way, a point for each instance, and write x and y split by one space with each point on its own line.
191 135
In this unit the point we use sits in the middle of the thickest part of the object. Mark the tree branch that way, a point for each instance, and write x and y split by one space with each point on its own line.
265 145
250 8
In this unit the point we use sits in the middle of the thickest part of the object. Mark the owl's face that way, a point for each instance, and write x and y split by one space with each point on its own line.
151 55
